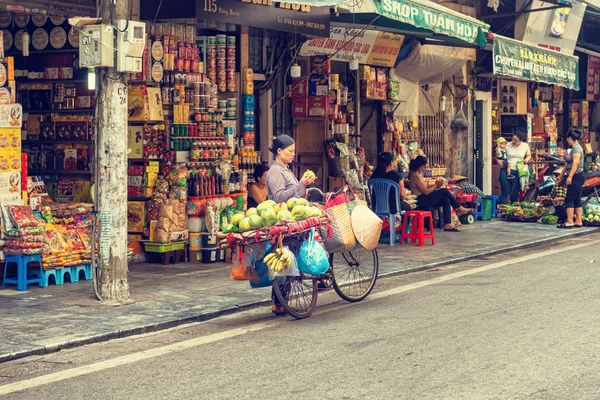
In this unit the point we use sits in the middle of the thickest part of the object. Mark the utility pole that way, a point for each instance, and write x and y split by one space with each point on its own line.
111 171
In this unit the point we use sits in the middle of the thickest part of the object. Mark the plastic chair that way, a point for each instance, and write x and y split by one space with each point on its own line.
381 189
417 234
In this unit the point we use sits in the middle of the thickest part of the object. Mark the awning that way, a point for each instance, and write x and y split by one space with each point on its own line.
422 18
516 59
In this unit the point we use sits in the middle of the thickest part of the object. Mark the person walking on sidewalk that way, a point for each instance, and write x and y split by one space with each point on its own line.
517 150
573 178
432 195
283 185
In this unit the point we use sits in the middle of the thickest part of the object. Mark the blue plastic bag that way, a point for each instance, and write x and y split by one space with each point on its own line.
312 257
260 273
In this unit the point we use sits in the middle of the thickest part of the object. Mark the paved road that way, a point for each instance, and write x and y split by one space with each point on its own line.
518 326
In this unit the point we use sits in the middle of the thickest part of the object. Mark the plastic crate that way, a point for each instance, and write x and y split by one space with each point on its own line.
163 247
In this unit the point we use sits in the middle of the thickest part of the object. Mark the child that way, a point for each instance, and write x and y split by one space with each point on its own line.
557 197
501 153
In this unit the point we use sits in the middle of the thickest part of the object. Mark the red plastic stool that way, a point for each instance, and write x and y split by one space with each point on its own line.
417 233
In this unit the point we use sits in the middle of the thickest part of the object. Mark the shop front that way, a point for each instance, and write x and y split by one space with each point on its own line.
528 96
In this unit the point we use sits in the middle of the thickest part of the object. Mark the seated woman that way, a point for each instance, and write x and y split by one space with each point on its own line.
432 195
257 192
387 170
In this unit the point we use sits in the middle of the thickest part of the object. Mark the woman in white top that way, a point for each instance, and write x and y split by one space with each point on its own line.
517 150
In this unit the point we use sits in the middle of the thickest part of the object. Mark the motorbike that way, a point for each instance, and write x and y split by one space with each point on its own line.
545 182
591 188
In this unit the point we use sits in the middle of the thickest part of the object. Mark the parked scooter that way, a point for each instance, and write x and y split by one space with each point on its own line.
545 182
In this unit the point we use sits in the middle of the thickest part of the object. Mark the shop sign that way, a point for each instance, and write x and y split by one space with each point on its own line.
518 60
369 47
279 16
593 79
433 20
11 115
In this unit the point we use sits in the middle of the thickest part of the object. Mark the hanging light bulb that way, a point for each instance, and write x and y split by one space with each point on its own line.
295 70
26 44
91 79
353 63
443 104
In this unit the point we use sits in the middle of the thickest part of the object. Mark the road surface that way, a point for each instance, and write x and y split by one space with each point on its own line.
520 325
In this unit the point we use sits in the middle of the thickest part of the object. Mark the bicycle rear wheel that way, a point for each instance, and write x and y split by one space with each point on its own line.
297 294
354 273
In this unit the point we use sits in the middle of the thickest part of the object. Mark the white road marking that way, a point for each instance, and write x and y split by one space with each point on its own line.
215 337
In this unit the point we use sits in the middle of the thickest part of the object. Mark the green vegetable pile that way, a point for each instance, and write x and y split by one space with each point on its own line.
548 220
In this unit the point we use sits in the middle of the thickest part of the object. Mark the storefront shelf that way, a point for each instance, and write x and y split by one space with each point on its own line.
24 81
57 172
30 142
74 111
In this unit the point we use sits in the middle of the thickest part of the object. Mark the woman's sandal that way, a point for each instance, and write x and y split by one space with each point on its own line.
278 310
469 211
565 226
453 229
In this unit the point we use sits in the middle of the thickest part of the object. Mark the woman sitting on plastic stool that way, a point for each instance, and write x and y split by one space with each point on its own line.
432 195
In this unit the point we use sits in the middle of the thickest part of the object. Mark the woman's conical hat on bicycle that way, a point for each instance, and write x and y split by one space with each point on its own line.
366 226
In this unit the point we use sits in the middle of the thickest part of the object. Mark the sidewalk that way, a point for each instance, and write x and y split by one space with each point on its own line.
45 320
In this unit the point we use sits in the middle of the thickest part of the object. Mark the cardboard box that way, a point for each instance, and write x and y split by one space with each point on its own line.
135 142
318 106
299 88
136 216
137 103
318 85
155 105
63 131
323 64
152 230
70 159
299 107
10 185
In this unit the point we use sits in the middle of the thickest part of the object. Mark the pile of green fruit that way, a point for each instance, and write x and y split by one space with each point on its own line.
268 213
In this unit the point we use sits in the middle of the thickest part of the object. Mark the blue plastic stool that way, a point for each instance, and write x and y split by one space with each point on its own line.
494 199
478 214
62 272
23 278
75 272
46 274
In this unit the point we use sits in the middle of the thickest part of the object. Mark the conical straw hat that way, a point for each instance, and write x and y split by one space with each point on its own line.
366 226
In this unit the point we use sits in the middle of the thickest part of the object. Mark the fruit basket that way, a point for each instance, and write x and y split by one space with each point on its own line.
286 228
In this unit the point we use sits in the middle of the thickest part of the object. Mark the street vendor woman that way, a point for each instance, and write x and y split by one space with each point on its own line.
282 184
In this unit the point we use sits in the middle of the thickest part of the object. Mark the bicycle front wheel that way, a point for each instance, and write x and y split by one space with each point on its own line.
297 294
354 273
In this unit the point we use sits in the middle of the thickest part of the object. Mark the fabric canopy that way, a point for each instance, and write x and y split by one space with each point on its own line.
414 17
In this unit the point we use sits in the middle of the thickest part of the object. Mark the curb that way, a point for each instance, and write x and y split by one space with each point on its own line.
232 310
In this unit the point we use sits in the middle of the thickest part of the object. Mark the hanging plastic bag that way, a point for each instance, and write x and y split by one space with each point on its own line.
522 169
291 271
260 272
242 267
459 121
312 258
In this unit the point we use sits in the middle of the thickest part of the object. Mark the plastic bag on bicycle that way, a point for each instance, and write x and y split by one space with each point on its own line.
260 273
291 271
312 258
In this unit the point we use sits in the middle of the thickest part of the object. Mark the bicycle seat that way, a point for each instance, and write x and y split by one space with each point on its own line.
592 174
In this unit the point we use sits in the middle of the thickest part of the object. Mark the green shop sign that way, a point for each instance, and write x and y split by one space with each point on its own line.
518 60
437 21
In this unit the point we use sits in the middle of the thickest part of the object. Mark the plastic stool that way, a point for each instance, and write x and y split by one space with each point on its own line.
76 271
46 274
417 234
478 214
23 277
494 199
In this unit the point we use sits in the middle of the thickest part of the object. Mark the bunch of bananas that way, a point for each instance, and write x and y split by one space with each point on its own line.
278 261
